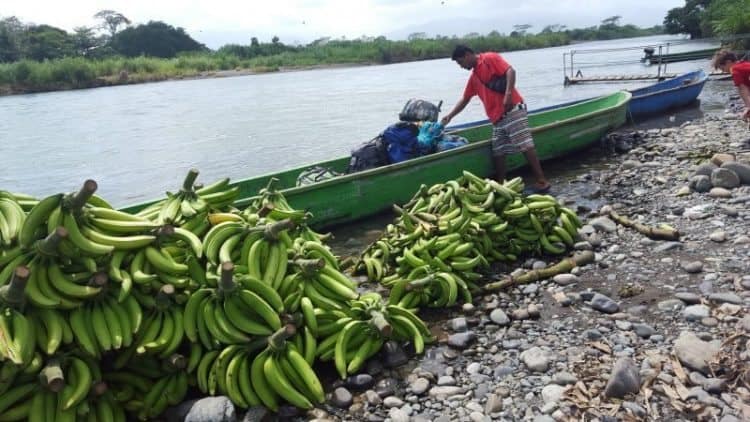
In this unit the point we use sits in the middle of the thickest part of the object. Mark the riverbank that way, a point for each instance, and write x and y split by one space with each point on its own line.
653 330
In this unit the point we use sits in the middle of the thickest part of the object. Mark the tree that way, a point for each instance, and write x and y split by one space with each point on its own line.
254 42
47 42
688 19
521 29
112 20
611 21
155 39
11 34
85 41
275 39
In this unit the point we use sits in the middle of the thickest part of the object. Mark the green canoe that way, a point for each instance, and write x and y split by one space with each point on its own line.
353 196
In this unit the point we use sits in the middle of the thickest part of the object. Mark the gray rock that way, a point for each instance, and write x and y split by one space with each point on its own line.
718 192
564 378
420 385
694 352
592 334
211 409
461 340
696 312
446 380
255 414
718 236
643 330
499 317
670 305
624 379
536 359
552 393
341 398
726 297
394 355
386 387
700 183
494 404
398 415
604 224
704 169
689 298
668 246
392 401
604 304
373 398
744 323
359 382
459 324
565 279
635 408
692 267
742 170
724 178
445 391
544 418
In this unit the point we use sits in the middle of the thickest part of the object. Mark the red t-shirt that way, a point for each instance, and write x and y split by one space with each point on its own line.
489 65
741 73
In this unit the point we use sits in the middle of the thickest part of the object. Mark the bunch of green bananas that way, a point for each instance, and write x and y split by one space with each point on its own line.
424 287
461 226
191 204
55 395
17 335
12 217
280 371
233 312
323 285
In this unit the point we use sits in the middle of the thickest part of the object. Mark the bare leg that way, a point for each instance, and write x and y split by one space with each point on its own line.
499 161
536 168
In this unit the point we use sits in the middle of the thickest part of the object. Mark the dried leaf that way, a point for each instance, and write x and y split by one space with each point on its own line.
681 390
669 391
679 371
601 347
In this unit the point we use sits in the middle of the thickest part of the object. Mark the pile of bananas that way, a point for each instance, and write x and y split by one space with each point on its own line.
431 255
108 316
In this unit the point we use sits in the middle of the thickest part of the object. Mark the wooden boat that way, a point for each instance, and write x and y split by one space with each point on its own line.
668 94
681 57
660 97
353 196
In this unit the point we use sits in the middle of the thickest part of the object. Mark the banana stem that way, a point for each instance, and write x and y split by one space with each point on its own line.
175 362
652 232
564 266
165 231
48 245
310 267
52 376
162 296
277 339
227 283
13 294
187 184
77 202
382 324
273 230
266 209
99 388
99 279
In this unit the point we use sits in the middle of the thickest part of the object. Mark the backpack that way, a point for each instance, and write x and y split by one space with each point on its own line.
419 110
401 141
371 154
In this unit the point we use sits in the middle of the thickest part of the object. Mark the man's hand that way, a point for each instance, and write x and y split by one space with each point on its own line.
508 103
746 116
445 120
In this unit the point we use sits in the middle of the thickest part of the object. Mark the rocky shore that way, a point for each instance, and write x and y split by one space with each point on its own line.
652 330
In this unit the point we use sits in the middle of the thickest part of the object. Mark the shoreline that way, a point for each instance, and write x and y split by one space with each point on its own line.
111 81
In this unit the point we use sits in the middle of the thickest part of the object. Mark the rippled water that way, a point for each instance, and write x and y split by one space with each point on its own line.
138 141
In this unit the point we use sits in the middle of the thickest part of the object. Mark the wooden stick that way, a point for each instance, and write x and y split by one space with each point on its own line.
564 266
652 232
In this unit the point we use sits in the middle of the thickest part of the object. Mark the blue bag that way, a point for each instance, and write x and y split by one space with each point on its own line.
450 141
401 142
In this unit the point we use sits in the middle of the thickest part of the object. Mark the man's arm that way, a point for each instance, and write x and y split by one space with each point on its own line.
456 109
510 75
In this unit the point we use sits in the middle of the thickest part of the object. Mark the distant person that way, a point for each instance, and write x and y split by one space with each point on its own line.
740 70
492 77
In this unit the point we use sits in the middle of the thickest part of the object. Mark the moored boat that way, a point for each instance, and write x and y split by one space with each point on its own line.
353 196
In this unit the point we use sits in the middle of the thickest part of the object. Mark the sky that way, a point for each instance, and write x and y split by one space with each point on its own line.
219 22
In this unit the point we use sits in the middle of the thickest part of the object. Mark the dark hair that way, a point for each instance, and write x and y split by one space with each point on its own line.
722 57
460 51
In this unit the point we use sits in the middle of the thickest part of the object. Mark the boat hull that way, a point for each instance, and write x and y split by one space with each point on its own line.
666 95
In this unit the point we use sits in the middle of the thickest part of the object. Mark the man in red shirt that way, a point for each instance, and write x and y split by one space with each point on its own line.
740 70
494 81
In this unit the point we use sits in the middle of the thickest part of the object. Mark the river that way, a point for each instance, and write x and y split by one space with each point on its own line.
139 140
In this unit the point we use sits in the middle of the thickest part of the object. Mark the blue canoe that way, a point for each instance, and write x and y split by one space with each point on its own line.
659 97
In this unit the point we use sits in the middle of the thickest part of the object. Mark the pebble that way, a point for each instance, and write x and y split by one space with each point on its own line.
419 386
718 236
624 379
565 279
536 359
689 298
719 192
696 312
692 267
499 317
392 401
342 398
604 304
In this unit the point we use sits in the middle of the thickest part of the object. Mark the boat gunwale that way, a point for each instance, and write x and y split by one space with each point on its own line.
700 81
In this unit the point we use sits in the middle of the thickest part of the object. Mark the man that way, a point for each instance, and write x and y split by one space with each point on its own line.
494 81
740 70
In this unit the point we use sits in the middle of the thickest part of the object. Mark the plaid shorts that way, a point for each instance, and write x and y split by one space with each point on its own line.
511 134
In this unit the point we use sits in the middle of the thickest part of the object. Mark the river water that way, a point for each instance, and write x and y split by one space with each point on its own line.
138 141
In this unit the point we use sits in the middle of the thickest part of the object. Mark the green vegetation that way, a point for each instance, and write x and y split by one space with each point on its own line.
42 58
709 18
